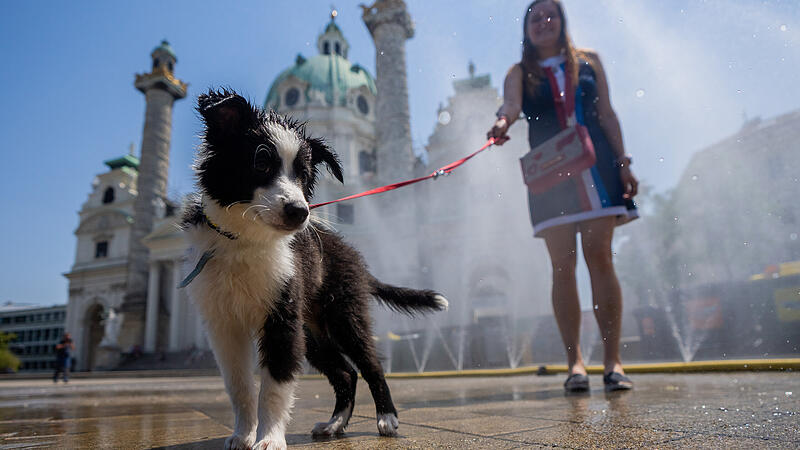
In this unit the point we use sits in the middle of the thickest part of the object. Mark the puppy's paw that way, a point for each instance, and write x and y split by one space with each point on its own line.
271 443
327 429
238 442
441 302
388 423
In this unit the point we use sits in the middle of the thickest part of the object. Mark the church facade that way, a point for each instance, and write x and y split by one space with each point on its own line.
458 235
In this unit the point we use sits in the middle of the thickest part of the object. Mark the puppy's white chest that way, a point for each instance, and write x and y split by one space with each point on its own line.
242 284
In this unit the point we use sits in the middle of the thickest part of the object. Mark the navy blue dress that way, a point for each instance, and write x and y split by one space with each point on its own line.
596 192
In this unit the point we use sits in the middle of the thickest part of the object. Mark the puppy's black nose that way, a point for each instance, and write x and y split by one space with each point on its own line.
295 213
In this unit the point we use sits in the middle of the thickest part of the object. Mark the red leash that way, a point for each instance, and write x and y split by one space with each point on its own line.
389 187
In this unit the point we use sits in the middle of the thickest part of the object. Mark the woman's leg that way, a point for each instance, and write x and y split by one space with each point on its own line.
596 238
561 245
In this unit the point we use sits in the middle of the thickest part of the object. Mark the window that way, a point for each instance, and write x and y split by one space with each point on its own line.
101 249
292 96
338 48
108 195
346 213
170 66
362 104
155 63
326 48
366 162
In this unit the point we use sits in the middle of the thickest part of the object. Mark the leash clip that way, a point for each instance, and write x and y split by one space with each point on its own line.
439 173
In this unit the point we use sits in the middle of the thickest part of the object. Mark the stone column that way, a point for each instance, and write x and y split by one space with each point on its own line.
151 316
199 332
390 25
161 89
175 309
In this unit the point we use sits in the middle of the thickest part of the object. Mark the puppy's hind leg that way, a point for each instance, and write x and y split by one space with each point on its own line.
282 348
233 350
323 355
354 335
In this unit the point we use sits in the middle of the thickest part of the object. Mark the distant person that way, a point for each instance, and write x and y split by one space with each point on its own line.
556 85
63 357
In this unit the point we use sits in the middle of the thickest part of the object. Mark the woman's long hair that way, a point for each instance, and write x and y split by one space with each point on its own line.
532 72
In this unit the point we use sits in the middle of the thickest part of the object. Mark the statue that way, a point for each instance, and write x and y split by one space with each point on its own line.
112 324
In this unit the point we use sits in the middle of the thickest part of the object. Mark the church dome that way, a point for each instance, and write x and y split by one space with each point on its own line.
328 75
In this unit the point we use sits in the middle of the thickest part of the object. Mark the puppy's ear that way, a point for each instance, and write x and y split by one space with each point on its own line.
321 153
225 111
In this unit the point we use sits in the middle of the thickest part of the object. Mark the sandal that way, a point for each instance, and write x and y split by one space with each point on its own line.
616 381
577 382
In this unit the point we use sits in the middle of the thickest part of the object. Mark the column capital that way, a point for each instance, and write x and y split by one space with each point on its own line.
161 79
385 12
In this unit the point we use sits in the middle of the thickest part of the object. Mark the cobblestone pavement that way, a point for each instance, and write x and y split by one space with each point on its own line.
721 410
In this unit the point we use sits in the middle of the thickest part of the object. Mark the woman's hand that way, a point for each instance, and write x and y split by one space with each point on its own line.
629 182
498 131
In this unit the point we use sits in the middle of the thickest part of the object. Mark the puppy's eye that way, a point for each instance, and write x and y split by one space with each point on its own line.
261 159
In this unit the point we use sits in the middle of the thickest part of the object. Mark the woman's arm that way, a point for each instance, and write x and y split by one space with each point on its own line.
610 125
512 105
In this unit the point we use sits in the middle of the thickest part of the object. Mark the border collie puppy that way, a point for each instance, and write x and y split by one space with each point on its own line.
261 274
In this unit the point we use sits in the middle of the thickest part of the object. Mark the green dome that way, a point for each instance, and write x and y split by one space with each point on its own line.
322 73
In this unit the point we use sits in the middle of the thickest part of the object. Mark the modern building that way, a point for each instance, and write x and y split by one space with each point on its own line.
38 329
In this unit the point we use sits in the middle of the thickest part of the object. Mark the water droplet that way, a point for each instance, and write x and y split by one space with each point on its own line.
661 159
640 93
444 117
454 75
596 307
491 19
694 177
676 218
620 20
517 19
381 52
784 27
454 33
738 91
745 243
793 236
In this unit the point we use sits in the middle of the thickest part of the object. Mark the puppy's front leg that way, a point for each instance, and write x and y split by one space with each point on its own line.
282 349
233 349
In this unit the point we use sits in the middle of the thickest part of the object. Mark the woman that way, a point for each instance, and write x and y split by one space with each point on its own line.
593 202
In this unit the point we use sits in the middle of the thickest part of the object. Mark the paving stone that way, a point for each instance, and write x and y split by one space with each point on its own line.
734 410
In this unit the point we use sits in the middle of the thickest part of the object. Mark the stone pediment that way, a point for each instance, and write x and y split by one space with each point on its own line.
167 229
104 221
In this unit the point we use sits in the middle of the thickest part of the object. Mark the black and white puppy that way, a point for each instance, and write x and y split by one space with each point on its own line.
260 274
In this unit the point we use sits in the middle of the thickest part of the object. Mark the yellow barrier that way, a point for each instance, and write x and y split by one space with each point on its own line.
665 367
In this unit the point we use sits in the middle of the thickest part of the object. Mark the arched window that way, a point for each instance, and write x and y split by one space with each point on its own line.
362 104
108 195
326 48
292 96
338 48
155 62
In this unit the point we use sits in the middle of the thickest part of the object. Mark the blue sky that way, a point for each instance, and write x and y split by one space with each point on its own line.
69 103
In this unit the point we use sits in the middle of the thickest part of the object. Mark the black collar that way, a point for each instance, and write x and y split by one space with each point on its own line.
214 227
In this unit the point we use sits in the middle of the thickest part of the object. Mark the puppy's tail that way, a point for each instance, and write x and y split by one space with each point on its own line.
409 301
